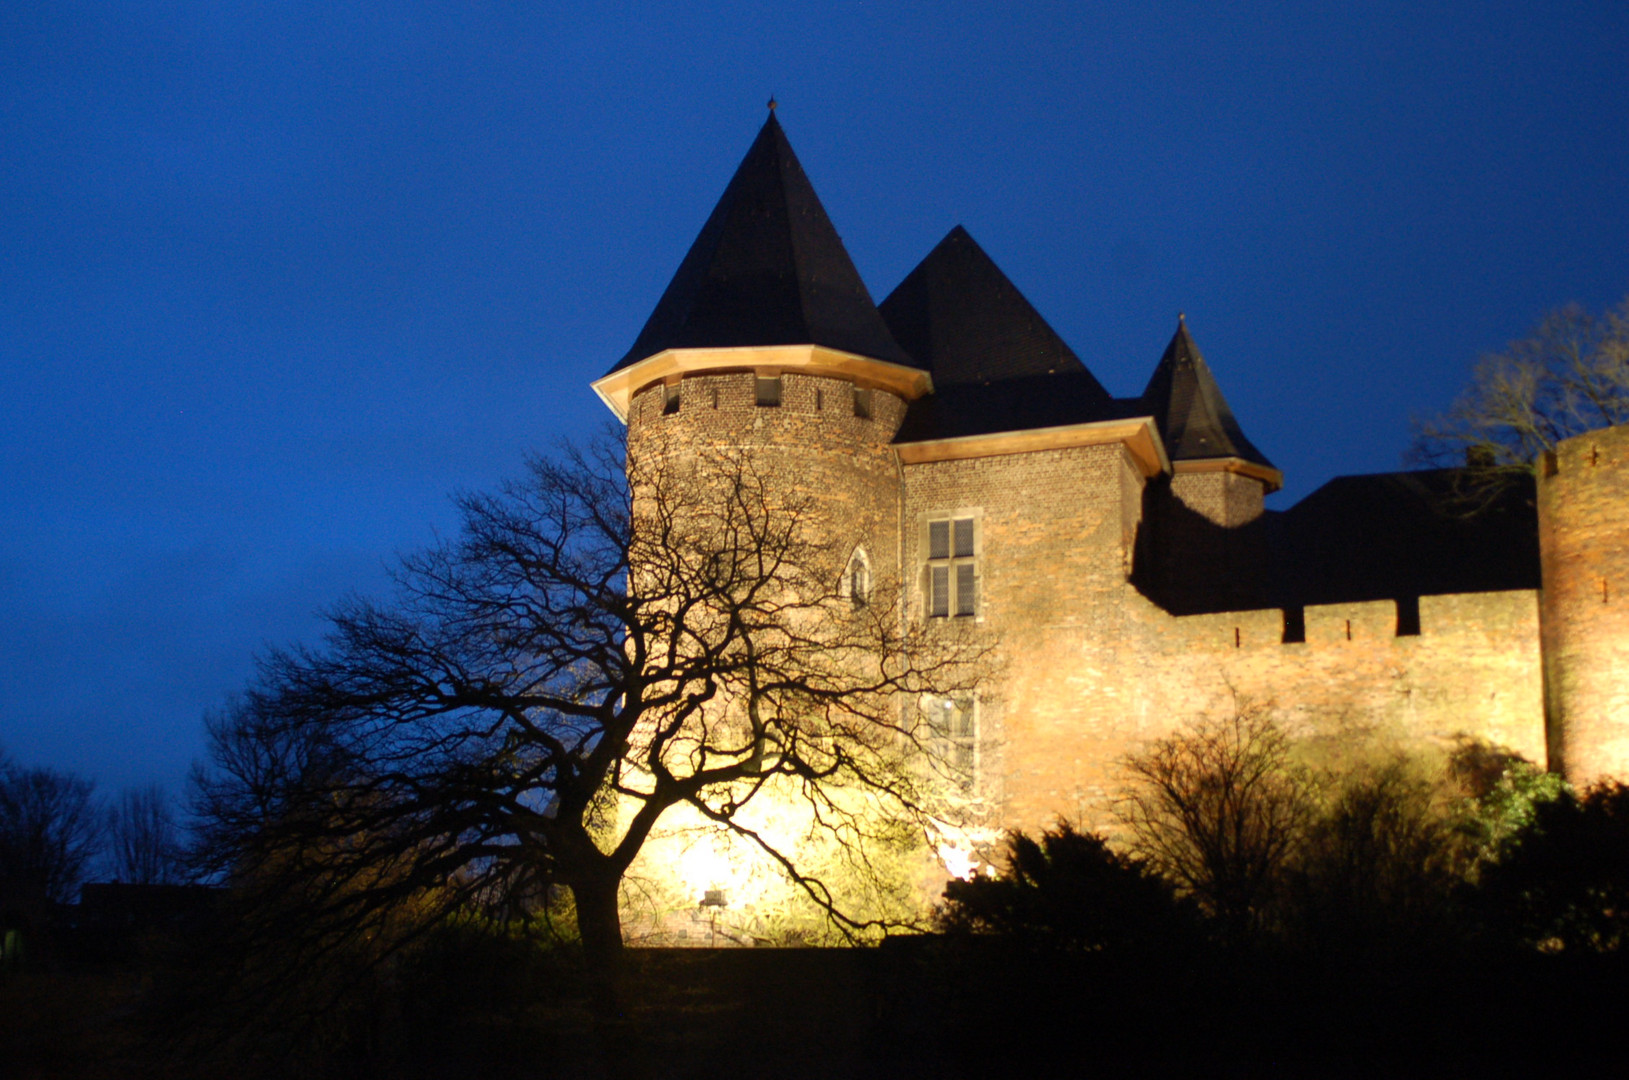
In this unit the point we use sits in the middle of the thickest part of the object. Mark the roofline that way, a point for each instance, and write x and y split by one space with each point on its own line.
1254 470
618 388
1138 434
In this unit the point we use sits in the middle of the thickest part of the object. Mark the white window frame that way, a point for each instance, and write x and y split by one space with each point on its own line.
951 570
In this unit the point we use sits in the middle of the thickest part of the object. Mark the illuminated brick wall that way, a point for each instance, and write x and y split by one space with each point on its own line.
1089 669
1086 668
1583 503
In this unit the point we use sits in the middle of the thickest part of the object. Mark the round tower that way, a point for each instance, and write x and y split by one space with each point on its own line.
813 424
766 355
1583 505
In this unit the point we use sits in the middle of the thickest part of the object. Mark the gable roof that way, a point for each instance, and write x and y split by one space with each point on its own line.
965 321
767 268
1192 414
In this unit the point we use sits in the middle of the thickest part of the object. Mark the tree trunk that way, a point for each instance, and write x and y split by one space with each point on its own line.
599 924
598 921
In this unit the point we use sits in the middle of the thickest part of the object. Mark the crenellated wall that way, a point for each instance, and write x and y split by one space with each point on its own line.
1089 669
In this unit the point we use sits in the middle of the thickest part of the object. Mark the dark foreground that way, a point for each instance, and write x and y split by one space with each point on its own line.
912 1009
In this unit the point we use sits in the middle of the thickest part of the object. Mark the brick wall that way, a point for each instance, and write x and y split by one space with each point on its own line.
1085 667
812 447
1583 503
1088 669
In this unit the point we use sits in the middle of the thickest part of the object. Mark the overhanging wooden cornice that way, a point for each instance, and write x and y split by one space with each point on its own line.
1265 473
618 388
1138 434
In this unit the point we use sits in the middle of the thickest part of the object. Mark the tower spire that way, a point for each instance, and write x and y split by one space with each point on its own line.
767 268
1187 404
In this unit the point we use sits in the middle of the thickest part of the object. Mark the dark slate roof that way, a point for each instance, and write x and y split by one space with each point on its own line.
1190 410
1388 535
966 322
767 269
996 364
1014 404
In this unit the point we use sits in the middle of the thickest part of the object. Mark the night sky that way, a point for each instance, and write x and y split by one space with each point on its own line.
276 279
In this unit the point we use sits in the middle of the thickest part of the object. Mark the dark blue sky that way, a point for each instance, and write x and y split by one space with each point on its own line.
274 279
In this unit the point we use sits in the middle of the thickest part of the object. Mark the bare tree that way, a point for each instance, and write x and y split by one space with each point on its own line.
1569 376
50 827
1382 861
1219 808
144 839
592 651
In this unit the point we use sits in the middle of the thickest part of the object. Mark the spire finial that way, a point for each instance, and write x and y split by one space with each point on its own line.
771 102
1182 317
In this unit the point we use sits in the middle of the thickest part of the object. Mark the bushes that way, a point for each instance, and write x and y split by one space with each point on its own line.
1377 864
1069 891
1220 809
1226 831
1562 882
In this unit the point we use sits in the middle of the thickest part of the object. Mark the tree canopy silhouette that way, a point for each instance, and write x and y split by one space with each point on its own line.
592 650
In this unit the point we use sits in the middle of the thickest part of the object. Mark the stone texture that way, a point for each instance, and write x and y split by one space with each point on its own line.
1584 547
1086 667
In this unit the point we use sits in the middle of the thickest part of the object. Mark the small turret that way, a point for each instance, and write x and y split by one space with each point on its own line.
1205 548
1217 471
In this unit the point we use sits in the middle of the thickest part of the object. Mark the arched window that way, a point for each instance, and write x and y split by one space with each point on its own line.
857 578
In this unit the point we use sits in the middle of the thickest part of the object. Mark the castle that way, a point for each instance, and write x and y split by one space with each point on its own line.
1115 554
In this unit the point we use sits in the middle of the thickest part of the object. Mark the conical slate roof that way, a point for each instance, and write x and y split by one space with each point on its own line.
1190 410
964 320
767 269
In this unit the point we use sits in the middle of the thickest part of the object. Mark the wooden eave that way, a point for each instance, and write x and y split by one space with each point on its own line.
618 388
1137 434
1265 473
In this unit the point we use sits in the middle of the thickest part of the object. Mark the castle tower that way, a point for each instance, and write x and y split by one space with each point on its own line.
767 340
1216 472
1583 502
1204 551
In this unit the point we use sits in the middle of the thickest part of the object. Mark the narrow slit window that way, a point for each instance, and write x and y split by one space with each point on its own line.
857 579
1408 616
862 403
670 399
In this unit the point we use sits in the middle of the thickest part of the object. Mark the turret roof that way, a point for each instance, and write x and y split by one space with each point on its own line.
768 268
1192 414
